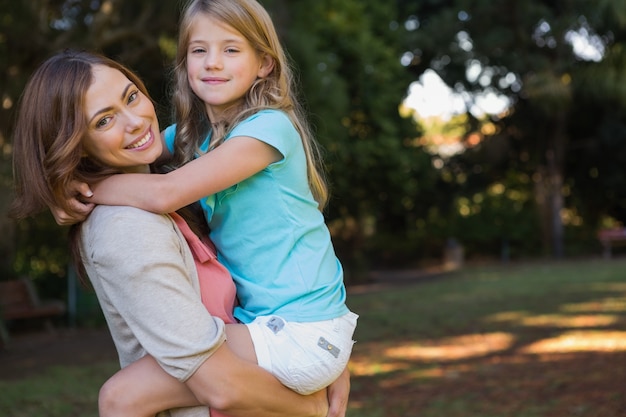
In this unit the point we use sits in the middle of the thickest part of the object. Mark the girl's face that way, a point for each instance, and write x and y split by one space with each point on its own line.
122 126
221 64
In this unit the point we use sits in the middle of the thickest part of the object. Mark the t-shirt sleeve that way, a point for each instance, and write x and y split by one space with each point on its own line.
168 135
272 127
140 270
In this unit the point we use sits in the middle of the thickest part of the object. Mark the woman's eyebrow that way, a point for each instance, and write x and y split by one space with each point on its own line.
106 109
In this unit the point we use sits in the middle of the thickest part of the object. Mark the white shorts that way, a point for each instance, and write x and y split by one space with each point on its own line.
305 357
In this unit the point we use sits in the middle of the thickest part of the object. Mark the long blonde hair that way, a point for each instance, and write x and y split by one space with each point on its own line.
276 91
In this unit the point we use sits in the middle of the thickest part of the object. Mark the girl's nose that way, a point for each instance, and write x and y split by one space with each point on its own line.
213 60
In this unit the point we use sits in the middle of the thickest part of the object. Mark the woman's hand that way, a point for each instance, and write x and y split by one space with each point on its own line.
79 206
338 393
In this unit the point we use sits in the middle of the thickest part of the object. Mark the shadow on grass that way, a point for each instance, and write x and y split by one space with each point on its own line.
531 340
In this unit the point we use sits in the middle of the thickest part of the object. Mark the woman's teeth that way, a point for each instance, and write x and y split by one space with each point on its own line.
140 143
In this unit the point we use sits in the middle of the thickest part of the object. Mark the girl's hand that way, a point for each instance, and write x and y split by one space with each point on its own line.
338 393
80 208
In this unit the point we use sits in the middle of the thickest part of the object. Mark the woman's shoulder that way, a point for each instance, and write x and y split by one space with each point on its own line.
124 221
104 212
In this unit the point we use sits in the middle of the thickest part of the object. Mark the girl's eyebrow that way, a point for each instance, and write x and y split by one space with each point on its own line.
106 109
227 40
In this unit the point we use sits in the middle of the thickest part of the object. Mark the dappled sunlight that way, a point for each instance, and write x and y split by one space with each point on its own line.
580 341
555 320
608 286
367 366
613 304
454 348
399 357
376 359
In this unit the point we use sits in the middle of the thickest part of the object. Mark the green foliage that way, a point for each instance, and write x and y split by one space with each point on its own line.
560 96
354 61
348 57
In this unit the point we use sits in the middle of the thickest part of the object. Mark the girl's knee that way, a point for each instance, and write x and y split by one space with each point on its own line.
114 399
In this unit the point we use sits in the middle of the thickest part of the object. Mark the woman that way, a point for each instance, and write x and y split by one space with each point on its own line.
83 116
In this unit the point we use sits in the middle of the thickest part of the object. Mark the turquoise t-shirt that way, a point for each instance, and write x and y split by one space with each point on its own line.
270 234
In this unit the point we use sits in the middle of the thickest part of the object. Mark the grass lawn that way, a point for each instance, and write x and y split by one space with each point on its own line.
520 340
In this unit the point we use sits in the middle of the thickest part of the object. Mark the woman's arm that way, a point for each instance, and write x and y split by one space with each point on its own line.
224 382
127 394
228 164
243 389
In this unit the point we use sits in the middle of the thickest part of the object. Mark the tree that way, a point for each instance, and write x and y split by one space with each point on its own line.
530 52
348 59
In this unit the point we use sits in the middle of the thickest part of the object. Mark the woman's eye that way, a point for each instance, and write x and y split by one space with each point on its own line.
103 122
133 96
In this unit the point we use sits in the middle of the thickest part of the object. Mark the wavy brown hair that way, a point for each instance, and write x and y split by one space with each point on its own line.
276 91
51 123
48 138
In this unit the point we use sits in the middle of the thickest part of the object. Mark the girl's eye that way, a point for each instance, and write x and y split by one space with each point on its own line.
197 50
231 50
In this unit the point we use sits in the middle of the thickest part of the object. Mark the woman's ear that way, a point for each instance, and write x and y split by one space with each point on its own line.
267 65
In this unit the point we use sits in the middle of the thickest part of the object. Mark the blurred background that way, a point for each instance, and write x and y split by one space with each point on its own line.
478 129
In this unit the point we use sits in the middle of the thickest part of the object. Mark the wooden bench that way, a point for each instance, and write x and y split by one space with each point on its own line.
19 300
608 237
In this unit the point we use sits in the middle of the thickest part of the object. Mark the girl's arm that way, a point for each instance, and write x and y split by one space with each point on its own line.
81 192
80 204
228 164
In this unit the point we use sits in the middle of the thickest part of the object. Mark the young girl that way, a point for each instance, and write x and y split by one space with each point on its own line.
245 144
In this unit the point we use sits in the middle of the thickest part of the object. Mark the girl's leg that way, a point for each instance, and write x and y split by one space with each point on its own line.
240 342
143 388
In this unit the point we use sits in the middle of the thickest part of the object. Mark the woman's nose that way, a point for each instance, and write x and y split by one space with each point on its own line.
133 121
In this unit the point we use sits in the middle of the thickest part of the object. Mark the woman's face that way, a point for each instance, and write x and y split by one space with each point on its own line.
122 126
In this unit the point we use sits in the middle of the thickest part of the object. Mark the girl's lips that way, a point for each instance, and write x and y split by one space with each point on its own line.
147 138
214 80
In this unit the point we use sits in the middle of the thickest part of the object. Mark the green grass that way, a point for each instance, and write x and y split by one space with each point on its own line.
537 339
57 391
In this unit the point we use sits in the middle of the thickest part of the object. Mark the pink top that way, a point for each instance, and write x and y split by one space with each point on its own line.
217 288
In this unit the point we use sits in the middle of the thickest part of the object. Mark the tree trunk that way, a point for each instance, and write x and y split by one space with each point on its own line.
7 231
549 188
555 156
